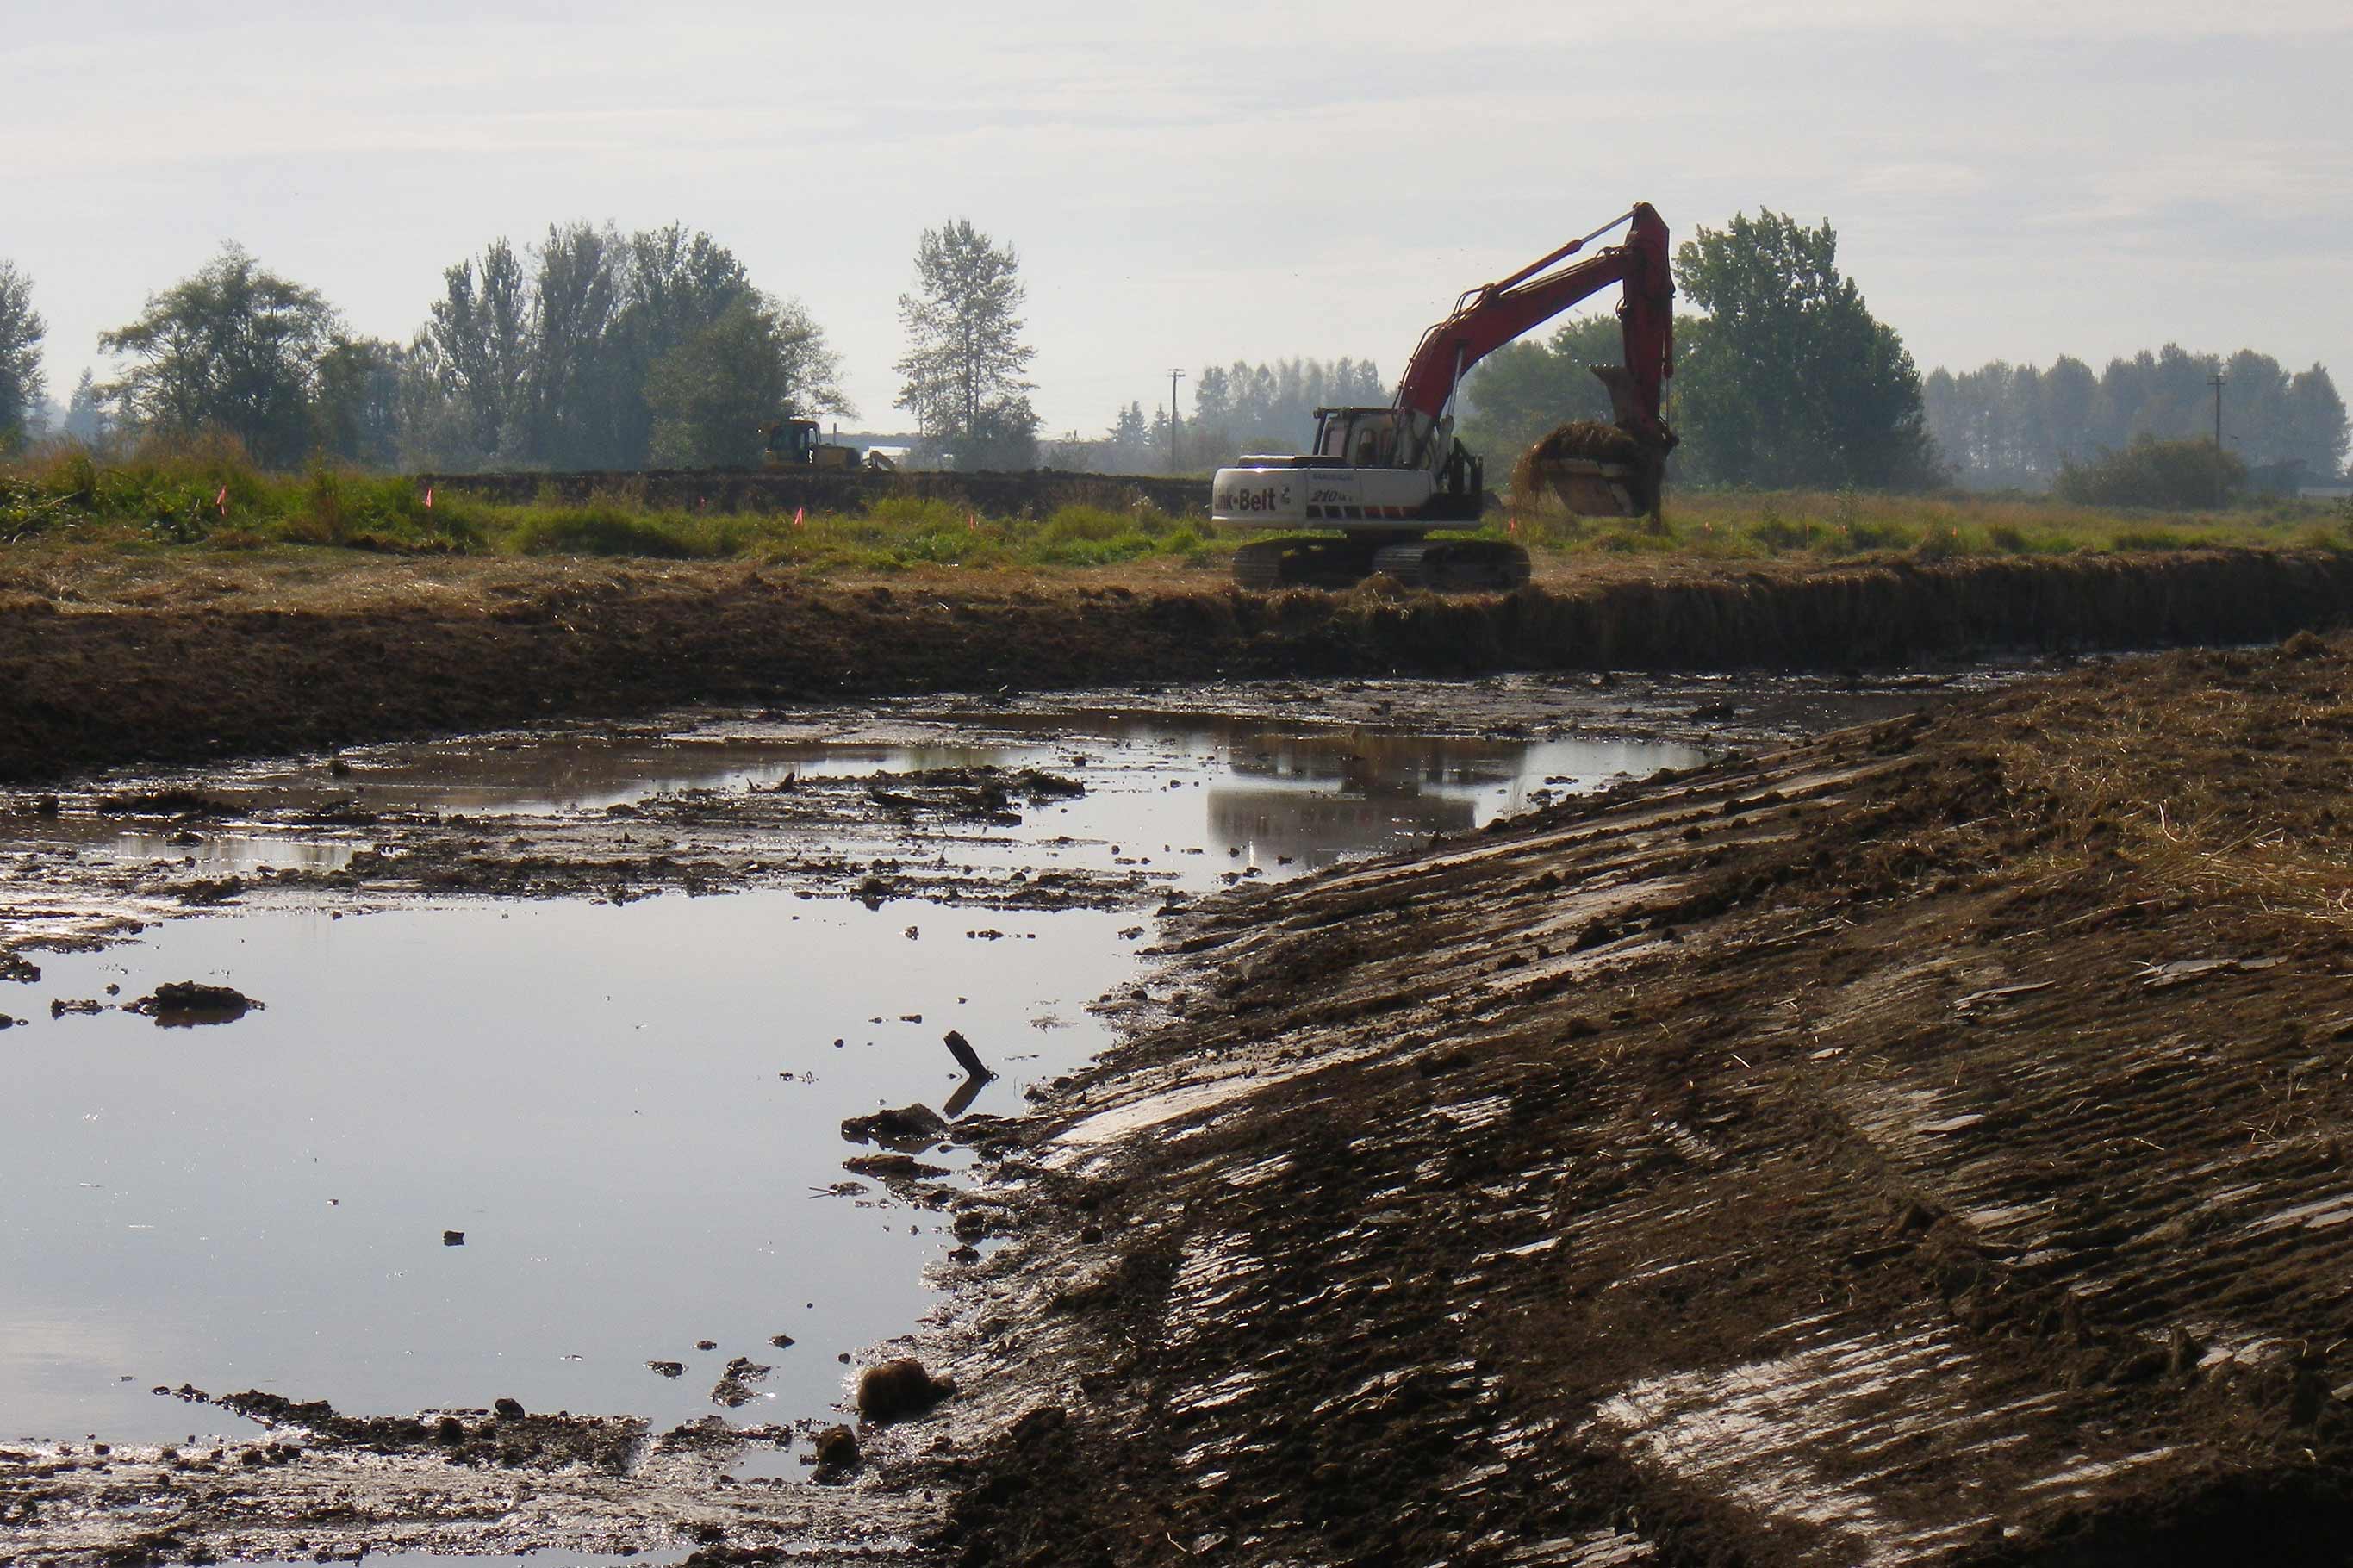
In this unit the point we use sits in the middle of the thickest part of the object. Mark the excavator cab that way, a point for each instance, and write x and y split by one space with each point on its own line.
1357 438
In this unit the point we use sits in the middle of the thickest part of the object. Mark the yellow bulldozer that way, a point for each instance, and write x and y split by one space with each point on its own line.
797 444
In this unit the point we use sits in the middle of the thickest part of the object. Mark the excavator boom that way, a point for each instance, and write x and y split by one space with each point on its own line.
1487 317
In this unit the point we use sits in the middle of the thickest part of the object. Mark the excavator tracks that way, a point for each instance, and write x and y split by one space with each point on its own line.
1458 565
1267 563
1441 565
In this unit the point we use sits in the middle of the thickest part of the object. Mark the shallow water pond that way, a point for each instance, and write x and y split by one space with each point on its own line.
629 1110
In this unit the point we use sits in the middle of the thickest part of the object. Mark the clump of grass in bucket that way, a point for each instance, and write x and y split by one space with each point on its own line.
1589 439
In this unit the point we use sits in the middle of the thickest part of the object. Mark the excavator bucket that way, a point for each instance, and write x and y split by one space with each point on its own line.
1587 468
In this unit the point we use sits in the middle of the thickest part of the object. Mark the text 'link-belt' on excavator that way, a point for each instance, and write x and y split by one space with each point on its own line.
1387 478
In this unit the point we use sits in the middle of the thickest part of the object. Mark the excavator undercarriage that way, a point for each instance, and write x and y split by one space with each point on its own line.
1442 564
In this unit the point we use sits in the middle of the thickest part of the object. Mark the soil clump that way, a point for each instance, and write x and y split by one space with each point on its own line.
182 1003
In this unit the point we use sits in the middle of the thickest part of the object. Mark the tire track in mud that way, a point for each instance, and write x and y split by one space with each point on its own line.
1923 1145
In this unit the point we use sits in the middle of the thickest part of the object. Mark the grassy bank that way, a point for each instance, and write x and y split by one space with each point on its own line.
211 496
1737 524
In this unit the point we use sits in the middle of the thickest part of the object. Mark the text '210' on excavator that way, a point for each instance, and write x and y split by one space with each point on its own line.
1389 478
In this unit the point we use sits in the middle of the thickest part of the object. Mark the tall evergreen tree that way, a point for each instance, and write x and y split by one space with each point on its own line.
22 388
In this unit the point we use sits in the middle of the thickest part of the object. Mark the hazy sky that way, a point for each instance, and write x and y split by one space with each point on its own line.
1191 183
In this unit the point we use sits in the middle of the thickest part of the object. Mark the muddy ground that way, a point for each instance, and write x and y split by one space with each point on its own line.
111 658
352 834
1927 1144
1922 1144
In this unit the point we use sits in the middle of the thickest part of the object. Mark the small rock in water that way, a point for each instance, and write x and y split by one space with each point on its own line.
668 1368
905 1125
706 1344
453 1239
507 1409
896 1388
782 1342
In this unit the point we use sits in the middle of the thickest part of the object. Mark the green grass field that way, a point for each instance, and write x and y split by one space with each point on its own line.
211 499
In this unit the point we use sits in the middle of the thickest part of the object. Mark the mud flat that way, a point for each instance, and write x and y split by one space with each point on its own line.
546 1104
1928 1143
106 662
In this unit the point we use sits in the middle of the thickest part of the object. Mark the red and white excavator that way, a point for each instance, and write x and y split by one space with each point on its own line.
1389 478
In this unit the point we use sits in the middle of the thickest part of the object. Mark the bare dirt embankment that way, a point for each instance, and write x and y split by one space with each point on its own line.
1925 1145
112 660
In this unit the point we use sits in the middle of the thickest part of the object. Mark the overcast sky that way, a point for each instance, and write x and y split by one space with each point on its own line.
1200 183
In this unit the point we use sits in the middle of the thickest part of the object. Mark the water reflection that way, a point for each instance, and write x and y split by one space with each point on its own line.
626 1109
1311 800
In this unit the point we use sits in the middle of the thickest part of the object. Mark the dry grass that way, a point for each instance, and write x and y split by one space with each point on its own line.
1750 525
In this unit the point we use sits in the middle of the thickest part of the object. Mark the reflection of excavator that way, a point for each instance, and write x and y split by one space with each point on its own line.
1320 798
794 444
1389 478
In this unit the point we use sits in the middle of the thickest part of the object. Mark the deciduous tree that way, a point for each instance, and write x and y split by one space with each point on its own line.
575 395
356 413
1789 380
712 394
1518 394
235 347
476 346
965 355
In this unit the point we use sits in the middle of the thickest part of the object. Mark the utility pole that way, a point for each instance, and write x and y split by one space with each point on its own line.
2215 380
1174 377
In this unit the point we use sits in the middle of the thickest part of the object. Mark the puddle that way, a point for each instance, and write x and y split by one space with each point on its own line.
630 1112
630 1109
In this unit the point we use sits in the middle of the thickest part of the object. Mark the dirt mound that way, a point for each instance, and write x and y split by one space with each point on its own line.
1921 1145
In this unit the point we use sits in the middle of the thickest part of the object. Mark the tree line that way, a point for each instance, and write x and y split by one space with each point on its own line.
1789 380
592 348
1237 408
588 349
2004 426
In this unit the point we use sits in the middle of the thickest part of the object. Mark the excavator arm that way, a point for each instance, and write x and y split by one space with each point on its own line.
1487 317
